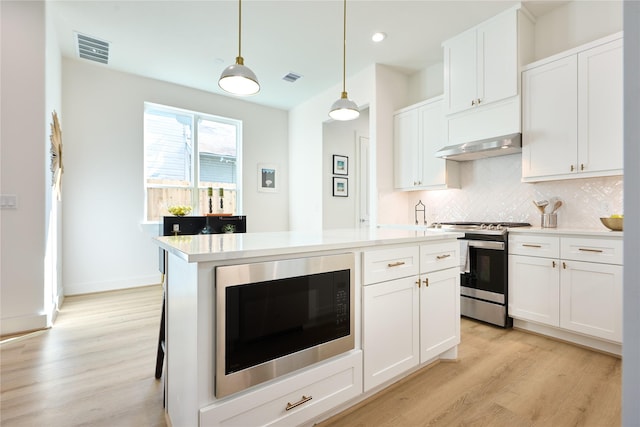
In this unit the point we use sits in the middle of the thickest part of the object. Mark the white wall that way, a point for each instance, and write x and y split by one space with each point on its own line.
24 160
340 138
576 23
104 244
306 148
631 309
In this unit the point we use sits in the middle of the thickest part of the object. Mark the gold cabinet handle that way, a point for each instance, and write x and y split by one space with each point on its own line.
581 166
526 245
478 101
443 256
302 401
426 282
572 168
564 265
473 102
418 282
598 251
395 264
553 264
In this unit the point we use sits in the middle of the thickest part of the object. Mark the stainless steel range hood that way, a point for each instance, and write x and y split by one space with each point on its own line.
491 147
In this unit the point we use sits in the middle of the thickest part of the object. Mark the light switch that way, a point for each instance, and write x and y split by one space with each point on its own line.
8 201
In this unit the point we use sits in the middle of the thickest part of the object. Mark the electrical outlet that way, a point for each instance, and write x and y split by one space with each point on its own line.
176 228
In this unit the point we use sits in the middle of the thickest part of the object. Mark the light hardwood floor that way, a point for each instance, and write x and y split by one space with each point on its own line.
96 368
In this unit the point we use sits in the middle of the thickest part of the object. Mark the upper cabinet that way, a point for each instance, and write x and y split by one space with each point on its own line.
572 113
418 134
481 77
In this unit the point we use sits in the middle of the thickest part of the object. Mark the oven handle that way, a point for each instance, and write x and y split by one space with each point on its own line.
486 244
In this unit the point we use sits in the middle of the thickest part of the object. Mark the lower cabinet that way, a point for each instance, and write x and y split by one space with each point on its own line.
411 320
571 283
315 391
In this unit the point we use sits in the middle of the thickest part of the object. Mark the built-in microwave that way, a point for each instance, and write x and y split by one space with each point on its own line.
276 317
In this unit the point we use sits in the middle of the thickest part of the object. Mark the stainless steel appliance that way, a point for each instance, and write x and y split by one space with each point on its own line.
483 269
275 317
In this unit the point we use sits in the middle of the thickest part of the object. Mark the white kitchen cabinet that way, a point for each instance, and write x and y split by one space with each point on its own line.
481 64
292 401
571 283
591 299
534 285
418 134
413 319
482 77
572 113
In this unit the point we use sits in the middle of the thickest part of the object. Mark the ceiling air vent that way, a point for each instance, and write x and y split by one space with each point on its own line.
92 48
291 77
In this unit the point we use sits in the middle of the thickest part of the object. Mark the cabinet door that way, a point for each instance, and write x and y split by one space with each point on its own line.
497 77
460 72
600 140
406 142
432 139
591 299
390 330
549 119
534 289
439 313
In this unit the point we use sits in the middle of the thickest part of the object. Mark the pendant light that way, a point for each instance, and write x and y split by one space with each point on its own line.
344 108
237 78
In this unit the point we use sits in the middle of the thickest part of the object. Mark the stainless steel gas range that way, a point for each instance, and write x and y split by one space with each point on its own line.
483 269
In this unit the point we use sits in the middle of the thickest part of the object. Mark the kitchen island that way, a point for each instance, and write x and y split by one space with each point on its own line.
404 315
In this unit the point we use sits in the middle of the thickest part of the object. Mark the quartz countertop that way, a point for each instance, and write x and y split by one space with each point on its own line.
604 232
219 247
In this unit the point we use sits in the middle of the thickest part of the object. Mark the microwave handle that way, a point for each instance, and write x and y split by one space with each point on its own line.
486 244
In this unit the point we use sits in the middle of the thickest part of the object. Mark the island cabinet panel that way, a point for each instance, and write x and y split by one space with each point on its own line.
572 283
291 401
572 107
411 320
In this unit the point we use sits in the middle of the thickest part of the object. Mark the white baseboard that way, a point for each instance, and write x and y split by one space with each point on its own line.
111 285
16 325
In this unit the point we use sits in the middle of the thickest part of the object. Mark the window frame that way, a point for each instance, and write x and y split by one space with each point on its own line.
194 180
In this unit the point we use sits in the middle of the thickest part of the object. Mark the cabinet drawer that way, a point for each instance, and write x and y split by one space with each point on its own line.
439 256
607 251
534 245
391 263
293 401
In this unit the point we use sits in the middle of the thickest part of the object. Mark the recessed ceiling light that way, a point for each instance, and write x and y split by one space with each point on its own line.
378 37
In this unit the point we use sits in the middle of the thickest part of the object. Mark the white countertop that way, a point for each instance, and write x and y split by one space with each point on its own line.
568 231
218 247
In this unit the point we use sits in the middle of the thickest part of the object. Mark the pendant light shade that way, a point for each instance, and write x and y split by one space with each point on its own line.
237 78
344 108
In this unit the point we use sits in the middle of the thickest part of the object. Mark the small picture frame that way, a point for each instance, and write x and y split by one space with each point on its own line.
340 187
267 178
340 165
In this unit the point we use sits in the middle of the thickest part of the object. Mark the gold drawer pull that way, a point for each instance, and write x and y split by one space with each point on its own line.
531 246
395 264
302 401
599 251
443 256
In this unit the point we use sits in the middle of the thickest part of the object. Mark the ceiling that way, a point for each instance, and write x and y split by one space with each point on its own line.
191 42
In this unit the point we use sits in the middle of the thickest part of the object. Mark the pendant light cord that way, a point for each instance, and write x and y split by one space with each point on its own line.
239 28
344 48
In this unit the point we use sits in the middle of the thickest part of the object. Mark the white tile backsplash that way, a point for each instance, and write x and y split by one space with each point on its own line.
491 190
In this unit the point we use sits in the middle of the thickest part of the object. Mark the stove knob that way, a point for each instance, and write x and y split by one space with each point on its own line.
499 227
483 226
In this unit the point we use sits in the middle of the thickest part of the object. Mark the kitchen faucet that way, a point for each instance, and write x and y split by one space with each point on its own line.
420 207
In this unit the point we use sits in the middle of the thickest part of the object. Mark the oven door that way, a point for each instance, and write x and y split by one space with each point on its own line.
487 276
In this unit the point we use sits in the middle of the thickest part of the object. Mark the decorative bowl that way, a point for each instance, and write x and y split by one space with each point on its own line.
179 210
613 224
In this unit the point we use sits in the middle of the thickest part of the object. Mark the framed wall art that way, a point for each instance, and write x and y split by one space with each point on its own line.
268 178
340 165
340 187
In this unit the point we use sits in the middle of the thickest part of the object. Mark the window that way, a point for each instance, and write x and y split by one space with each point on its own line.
185 154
